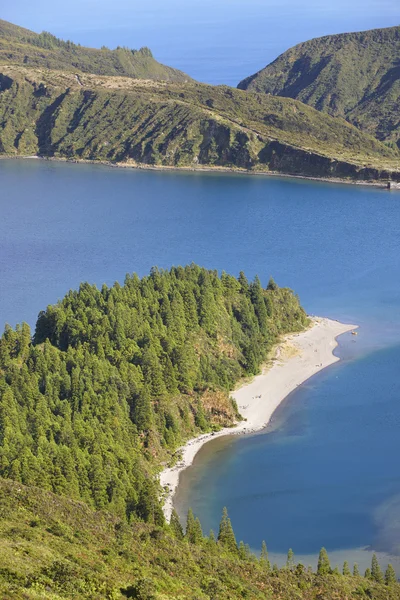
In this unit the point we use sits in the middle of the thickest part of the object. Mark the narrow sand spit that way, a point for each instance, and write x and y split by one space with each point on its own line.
298 357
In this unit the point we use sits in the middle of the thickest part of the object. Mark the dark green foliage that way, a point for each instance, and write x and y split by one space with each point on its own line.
264 560
51 114
376 571
356 571
242 551
367 573
324 567
226 536
390 575
22 46
116 379
346 569
193 534
212 540
290 559
352 75
176 526
55 548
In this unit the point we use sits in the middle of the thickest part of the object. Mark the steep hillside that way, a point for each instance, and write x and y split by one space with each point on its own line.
352 75
24 47
53 548
130 121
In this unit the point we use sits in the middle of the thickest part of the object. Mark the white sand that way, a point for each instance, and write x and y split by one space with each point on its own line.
298 357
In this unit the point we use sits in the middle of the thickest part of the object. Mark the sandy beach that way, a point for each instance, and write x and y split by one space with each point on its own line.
297 358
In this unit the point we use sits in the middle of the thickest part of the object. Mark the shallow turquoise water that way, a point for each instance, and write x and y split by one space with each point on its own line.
327 473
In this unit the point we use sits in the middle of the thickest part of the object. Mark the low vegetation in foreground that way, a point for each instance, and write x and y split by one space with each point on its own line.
54 548
112 383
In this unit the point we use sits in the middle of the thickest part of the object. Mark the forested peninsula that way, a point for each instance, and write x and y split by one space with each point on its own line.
116 379
97 401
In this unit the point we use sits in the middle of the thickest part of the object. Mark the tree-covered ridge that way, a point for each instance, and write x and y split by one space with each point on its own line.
116 379
191 125
352 75
54 548
21 46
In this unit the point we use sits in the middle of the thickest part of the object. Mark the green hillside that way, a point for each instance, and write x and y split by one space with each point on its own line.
54 548
352 75
190 125
21 46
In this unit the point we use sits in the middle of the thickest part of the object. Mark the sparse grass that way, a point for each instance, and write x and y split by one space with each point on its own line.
54 548
351 75
188 125
21 46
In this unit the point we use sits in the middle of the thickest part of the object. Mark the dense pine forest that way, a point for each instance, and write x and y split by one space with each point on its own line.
92 406
115 380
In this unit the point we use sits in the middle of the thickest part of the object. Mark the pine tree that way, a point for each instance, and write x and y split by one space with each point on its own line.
190 527
367 574
226 536
198 532
272 286
244 284
356 570
212 540
200 418
257 299
148 506
275 570
346 569
176 526
390 575
142 412
264 560
376 571
242 551
290 559
324 567
193 534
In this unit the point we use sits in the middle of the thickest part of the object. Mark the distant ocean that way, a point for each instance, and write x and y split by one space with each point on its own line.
216 42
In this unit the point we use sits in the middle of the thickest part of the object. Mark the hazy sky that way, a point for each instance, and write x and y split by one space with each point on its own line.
219 41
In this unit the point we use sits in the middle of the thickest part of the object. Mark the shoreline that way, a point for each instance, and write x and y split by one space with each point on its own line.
199 169
298 357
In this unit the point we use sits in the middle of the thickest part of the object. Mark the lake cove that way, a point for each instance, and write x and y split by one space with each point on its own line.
326 473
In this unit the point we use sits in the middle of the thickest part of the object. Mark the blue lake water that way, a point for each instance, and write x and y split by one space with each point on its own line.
326 472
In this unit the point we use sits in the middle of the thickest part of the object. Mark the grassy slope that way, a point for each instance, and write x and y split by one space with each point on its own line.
21 46
136 121
353 75
53 548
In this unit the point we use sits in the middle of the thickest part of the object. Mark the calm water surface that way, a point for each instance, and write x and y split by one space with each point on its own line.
326 472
